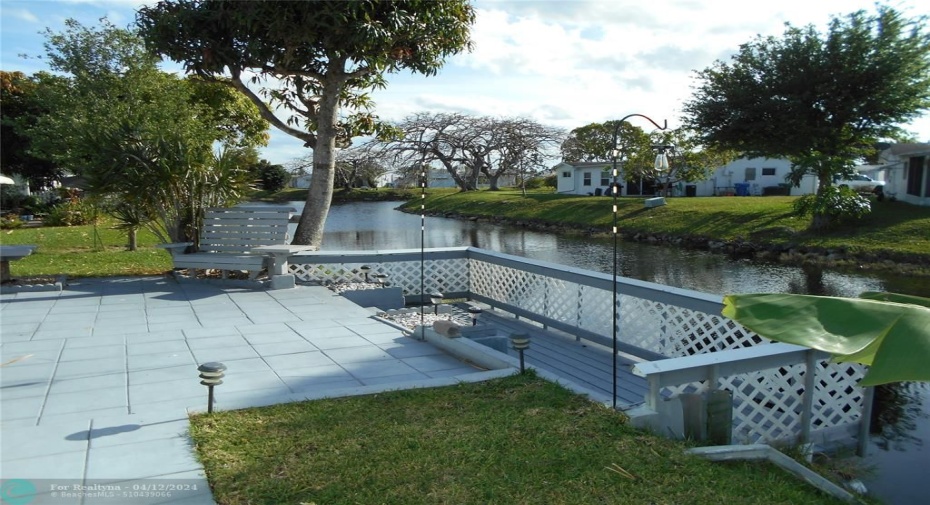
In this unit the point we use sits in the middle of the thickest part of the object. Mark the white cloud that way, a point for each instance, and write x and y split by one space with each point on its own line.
22 15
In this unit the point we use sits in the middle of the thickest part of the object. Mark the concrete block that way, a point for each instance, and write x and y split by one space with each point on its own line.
655 202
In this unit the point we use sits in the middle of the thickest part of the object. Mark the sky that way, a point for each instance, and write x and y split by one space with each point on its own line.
564 63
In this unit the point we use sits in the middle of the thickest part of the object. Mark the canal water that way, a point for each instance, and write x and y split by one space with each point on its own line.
898 452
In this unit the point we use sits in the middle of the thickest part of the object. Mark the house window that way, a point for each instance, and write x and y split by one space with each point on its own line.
587 179
566 174
768 171
605 178
915 174
750 174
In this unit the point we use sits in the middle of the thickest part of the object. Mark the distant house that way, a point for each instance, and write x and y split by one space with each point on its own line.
300 181
763 176
906 172
594 178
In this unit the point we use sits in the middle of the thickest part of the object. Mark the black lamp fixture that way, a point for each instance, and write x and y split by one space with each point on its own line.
211 374
616 153
520 342
435 298
365 269
474 313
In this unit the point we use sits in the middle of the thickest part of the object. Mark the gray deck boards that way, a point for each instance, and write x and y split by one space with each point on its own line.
584 363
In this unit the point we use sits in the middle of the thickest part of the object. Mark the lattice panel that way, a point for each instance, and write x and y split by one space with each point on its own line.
688 332
443 275
837 396
508 285
595 311
640 322
561 300
767 404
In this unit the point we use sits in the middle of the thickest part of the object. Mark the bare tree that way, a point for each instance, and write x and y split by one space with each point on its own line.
355 166
468 147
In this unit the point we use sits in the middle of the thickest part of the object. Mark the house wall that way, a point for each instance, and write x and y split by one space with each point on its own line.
751 171
300 182
897 172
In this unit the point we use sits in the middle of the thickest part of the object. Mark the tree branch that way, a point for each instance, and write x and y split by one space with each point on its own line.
266 112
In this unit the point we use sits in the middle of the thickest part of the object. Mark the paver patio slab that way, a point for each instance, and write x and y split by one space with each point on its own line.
21 443
104 398
140 460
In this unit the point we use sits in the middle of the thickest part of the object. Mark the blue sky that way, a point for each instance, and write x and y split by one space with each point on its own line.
565 63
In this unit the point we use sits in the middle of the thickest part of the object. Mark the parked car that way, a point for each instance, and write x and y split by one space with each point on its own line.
861 183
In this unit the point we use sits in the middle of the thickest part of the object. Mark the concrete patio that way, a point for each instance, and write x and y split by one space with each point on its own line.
98 379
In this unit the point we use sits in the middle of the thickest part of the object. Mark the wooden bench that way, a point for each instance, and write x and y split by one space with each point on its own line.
243 238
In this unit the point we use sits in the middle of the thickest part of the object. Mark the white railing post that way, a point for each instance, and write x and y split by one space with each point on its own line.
865 421
652 398
807 400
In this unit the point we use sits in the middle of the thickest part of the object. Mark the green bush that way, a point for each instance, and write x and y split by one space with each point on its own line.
72 212
10 222
540 182
840 205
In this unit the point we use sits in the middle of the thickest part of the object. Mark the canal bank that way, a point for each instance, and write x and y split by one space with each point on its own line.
895 237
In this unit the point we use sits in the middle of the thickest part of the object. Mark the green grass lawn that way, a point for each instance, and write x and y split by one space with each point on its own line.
510 441
85 251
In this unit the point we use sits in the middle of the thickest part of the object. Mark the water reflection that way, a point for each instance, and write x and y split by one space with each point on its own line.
376 225
899 411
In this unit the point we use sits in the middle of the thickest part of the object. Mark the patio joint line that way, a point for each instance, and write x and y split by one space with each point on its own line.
51 380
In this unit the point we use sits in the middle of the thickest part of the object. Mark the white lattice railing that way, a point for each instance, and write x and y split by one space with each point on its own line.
654 322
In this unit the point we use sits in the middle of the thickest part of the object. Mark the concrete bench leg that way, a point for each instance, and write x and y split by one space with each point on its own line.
280 277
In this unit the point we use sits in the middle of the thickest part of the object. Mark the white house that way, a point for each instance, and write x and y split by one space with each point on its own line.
753 176
300 181
742 176
906 172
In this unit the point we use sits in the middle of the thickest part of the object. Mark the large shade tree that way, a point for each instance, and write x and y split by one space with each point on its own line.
317 61
20 108
109 106
818 99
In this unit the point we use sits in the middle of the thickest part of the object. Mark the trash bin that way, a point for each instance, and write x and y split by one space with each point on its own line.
690 190
742 188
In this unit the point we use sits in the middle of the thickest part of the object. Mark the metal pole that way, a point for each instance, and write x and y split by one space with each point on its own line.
422 249
616 192
209 399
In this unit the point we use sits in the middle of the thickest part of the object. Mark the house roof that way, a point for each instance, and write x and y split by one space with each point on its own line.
585 164
909 149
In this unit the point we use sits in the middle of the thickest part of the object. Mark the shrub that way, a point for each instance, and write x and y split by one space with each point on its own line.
10 221
73 212
839 205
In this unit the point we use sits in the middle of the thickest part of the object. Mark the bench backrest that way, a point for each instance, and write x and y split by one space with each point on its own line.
236 230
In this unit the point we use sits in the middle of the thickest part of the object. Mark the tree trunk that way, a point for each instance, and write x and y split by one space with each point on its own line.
492 181
320 196
133 241
820 221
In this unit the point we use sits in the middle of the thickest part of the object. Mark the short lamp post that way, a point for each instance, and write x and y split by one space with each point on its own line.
616 153
365 269
435 298
381 279
474 313
211 374
520 342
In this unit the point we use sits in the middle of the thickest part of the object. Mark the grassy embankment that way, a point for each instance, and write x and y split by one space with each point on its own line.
515 440
893 229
